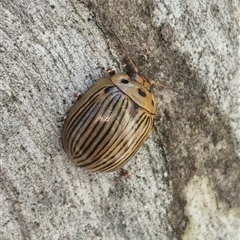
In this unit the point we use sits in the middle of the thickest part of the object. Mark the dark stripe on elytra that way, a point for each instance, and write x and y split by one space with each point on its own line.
144 131
134 128
81 111
148 123
91 126
118 164
96 125
106 133
76 120
117 141
102 167
91 153
85 115
125 137
81 126
87 103
79 121
92 100
102 140
123 144
123 112
83 118
83 150
73 129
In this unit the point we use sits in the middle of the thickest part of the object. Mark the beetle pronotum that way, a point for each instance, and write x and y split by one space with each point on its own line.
108 124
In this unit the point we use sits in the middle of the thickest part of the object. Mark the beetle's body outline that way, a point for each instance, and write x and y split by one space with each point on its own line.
107 125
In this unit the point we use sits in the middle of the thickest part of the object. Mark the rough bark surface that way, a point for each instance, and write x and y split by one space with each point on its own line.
185 178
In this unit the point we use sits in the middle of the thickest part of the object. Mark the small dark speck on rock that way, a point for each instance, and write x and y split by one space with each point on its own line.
37 224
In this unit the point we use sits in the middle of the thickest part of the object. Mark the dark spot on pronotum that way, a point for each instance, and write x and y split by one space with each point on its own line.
124 80
141 92
152 102
108 89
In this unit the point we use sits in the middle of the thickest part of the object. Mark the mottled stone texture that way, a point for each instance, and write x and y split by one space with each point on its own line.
185 178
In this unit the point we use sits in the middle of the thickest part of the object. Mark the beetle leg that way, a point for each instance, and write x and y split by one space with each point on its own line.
63 119
77 96
111 71
159 84
125 173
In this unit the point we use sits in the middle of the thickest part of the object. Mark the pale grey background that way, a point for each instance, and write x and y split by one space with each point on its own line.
185 178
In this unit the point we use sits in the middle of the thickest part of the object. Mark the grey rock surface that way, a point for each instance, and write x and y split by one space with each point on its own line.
185 178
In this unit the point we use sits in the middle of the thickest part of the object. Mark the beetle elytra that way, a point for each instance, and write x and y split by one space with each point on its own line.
108 124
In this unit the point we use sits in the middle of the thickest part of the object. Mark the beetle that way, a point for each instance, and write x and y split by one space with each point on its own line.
108 124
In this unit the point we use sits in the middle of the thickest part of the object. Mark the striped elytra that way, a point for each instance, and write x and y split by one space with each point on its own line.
108 124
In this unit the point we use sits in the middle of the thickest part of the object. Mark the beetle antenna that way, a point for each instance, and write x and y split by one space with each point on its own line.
126 52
